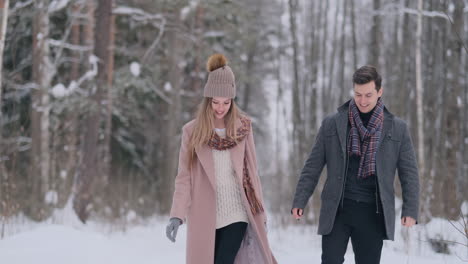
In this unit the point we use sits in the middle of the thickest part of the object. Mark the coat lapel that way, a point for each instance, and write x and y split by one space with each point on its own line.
387 126
205 155
342 127
237 159
237 155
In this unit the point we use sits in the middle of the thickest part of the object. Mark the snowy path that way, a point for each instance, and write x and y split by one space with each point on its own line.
57 244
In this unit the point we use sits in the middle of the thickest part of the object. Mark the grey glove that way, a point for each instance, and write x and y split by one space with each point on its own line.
172 227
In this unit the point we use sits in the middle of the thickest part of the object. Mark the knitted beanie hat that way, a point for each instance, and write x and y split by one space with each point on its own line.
221 81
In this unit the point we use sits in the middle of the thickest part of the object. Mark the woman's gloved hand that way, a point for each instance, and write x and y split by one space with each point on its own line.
172 227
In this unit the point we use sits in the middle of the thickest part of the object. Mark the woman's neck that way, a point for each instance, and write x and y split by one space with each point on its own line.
219 123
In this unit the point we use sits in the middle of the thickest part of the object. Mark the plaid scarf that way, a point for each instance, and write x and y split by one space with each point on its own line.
362 141
218 143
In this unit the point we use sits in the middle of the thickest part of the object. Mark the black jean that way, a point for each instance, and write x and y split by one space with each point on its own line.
227 242
366 228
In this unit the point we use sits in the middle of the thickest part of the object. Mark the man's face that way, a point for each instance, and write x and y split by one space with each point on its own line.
366 96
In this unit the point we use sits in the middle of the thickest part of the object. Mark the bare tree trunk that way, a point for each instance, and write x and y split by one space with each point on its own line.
166 177
353 27
67 157
375 37
249 65
391 61
401 110
4 179
72 134
278 180
453 117
310 106
314 119
440 156
198 82
429 98
3 26
43 71
75 40
4 187
342 86
96 152
464 174
105 37
279 201
419 110
298 131
323 58
330 89
458 29
97 148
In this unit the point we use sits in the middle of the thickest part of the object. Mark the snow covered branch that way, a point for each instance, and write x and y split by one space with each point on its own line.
395 9
57 5
54 6
137 14
26 86
162 95
159 92
142 16
19 90
154 44
59 90
59 43
424 13
22 144
18 6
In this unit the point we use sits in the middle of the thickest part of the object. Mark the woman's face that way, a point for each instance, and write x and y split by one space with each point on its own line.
220 106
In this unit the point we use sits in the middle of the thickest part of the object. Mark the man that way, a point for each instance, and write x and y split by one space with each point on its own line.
363 144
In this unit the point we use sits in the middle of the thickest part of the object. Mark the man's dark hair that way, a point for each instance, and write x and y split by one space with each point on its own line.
367 74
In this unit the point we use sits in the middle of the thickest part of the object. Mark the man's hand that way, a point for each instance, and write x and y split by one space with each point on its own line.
297 213
408 221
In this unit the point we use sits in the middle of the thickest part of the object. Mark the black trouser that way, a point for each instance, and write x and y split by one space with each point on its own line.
366 228
228 241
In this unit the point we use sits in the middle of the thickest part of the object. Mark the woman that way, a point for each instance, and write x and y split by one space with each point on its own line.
217 189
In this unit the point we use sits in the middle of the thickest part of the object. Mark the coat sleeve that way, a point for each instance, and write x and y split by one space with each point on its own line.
408 175
311 172
183 184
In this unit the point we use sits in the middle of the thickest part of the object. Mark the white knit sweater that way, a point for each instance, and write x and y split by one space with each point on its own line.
229 206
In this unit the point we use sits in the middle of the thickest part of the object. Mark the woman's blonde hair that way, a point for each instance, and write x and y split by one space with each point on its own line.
204 124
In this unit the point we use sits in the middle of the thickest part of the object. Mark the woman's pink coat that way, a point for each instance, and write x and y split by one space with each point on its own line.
194 201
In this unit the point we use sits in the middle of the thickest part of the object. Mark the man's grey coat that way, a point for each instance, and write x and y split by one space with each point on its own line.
395 151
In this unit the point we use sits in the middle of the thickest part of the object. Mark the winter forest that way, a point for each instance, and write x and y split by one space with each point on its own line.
94 95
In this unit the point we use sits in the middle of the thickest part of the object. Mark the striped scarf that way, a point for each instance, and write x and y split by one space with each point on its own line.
218 143
362 141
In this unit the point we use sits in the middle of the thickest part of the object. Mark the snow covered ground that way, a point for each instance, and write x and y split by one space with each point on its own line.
144 244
